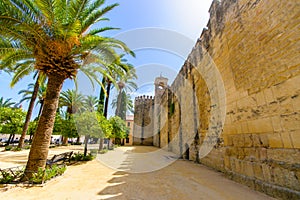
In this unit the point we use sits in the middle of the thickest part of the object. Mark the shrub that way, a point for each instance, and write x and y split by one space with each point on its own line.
27 147
6 178
44 175
103 151
77 143
16 149
8 148
80 157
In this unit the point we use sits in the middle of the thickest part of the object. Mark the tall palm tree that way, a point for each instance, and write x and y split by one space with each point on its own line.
120 69
57 34
125 104
6 103
126 84
117 69
38 89
74 103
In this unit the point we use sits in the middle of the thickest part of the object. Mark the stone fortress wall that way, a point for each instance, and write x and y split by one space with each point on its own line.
251 50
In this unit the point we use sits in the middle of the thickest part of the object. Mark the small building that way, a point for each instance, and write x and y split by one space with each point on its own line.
129 124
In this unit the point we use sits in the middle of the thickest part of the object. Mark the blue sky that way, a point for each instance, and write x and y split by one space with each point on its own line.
161 33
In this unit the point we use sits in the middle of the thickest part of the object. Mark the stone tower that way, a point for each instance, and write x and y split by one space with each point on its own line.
146 109
143 121
161 85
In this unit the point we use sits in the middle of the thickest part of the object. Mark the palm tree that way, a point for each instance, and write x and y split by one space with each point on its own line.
126 84
29 92
90 103
74 103
57 34
34 90
125 104
117 69
20 69
6 103
120 69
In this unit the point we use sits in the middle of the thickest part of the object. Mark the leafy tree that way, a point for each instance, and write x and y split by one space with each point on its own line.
32 128
119 129
106 129
11 121
57 34
65 127
6 103
88 125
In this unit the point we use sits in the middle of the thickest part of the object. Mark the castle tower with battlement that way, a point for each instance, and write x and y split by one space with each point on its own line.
143 120
145 108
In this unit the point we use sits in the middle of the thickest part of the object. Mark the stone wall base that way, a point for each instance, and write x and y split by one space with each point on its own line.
267 188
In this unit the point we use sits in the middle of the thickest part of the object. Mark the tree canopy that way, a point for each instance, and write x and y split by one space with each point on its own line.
11 120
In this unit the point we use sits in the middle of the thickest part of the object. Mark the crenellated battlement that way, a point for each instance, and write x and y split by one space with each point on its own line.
144 99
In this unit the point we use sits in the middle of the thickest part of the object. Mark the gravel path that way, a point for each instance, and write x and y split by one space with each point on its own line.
116 176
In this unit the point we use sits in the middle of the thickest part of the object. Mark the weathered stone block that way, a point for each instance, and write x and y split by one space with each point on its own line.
284 156
291 121
248 141
267 173
276 122
275 140
256 140
295 136
286 139
269 97
263 155
260 126
227 163
250 154
248 169
238 166
264 140
296 102
260 99
228 140
258 172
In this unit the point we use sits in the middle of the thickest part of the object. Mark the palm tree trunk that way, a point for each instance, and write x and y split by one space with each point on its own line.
101 98
78 140
107 98
40 145
119 99
29 112
86 139
65 140
41 108
105 110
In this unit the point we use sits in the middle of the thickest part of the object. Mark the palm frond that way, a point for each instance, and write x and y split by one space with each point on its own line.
94 17
21 71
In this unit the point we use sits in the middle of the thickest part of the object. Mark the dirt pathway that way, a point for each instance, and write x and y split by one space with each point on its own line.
180 180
